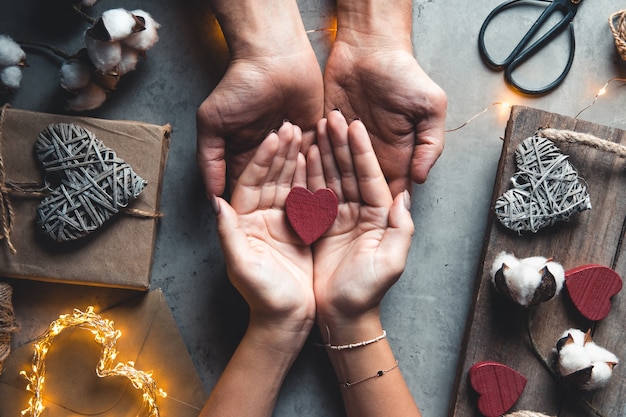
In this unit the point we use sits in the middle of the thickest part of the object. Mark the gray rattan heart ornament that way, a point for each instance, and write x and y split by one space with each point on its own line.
546 188
94 184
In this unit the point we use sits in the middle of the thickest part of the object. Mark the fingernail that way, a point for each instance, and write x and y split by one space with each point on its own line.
272 131
286 121
407 199
337 109
215 204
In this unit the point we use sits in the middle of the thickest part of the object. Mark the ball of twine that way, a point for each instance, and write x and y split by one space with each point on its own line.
8 324
617 23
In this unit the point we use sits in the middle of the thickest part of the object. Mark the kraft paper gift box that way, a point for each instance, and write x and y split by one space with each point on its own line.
119 254
149 337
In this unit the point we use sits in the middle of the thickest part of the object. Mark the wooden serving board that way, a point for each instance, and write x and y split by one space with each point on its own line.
496 328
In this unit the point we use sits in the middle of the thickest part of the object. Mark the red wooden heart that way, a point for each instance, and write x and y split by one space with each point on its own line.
591 287
311 214
498 385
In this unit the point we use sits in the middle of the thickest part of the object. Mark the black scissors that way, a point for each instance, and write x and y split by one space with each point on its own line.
521 53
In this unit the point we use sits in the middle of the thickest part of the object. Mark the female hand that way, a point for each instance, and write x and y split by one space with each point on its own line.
265 260
272 270
364 252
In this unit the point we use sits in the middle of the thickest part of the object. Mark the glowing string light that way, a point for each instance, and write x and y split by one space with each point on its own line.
480 113
601 92
500 104
106 336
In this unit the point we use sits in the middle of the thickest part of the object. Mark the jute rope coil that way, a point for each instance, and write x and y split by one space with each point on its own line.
617 23
8 325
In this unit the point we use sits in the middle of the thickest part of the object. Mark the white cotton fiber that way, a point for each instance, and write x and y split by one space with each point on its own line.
10 52
523 277
74 74
147 38
11 77
104 55
119 23
129 60
88 98
581 352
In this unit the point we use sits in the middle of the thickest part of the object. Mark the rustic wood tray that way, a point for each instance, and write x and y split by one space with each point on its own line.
496 328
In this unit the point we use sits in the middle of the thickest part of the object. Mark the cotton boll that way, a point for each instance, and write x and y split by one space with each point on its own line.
115 25
11 77
88 98
600 375
11 53
503 258
129 60
528 281
579 337
104 55
120 23
75 74
600 354
582 362
147 38
572 357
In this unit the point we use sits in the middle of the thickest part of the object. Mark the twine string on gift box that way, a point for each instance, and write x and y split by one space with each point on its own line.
7 188
617 23
6 211
8 324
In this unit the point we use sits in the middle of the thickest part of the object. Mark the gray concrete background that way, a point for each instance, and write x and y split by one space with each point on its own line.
425 313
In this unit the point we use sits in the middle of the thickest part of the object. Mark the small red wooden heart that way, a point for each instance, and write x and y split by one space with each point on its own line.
591 287
498 385
311 214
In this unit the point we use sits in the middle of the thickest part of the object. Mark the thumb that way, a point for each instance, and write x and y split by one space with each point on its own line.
232 238
396 241
210 153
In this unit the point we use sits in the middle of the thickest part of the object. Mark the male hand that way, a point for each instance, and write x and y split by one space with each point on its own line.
273 76
371 75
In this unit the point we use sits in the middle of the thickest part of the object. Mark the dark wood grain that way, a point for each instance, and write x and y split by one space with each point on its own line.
496 328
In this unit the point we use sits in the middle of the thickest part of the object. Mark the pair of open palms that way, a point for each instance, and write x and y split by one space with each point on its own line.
349 269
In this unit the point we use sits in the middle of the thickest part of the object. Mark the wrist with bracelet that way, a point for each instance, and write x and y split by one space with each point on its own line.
378 374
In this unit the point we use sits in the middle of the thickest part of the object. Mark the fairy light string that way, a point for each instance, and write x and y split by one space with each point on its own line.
600 92
500 104
106 336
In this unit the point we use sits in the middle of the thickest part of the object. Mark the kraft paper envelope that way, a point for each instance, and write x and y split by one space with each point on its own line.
149 337
120 253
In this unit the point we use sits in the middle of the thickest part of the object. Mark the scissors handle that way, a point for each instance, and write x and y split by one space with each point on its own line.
508 71
522 52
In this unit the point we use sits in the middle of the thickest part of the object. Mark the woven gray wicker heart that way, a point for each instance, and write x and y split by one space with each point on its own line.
546 188
94 184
